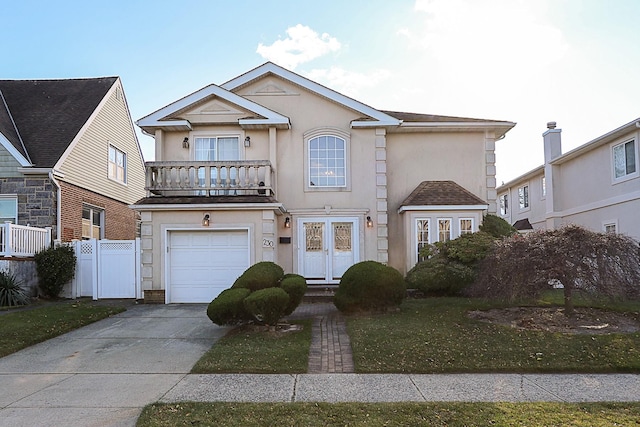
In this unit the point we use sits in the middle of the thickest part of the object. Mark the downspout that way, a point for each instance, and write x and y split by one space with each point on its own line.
58 205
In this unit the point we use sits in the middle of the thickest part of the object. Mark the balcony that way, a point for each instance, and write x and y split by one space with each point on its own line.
208 178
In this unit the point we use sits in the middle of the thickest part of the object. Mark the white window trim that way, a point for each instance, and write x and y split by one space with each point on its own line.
14 198
223 134
609 222
414 251
473 225
125 173
450 227
102 214
528 207
507 207
327 131
626 177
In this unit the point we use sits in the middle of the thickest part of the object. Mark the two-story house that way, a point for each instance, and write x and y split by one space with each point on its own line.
596 185
69 158
273 166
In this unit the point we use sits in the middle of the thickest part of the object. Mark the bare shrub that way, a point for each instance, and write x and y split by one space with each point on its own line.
597 264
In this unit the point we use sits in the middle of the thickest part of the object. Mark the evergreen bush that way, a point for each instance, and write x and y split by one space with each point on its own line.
295 286
56 266
228 307
268 305
11 291
496 226
261 275
369 286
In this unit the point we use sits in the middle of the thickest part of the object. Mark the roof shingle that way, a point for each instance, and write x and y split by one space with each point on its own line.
49 113
441 193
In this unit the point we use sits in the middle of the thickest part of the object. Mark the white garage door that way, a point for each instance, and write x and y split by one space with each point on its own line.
204 263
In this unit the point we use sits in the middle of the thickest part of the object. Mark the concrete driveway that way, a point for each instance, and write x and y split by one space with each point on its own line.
103 374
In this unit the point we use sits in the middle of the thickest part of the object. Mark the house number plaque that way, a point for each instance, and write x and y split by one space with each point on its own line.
268 243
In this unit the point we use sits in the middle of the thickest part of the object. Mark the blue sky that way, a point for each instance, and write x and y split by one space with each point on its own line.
530 62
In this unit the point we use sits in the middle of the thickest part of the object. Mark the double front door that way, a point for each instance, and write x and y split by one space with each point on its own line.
327 247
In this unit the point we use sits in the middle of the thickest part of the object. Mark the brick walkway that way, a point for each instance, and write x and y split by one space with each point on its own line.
330 346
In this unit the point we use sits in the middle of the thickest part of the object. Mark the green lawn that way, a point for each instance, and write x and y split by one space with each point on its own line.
23 328
435 335
390 414
248 350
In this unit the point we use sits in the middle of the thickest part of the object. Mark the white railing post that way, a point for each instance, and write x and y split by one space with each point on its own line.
8 239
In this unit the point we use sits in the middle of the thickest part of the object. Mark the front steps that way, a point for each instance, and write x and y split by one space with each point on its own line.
319 294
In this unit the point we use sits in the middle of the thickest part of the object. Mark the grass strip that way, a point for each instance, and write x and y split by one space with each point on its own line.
20 329
435 335
390 414
248 349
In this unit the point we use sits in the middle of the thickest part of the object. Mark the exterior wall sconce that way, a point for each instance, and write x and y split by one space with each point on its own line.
247 141
287 222
185 142
205 220
369 222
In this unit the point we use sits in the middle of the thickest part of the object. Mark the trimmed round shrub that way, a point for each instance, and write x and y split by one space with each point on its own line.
262 275
267 305
437 276
56 267
11 291
369 286
228 307
295 286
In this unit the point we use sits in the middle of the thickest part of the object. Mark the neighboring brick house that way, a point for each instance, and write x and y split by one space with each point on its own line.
69 157
271 166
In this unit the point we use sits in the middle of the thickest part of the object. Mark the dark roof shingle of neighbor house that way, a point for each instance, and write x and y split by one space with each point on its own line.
438 193
523 224
48 114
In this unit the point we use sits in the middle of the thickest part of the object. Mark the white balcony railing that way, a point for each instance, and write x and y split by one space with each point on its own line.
23 241
208 178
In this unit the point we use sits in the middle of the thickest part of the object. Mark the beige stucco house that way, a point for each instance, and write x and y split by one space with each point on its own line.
596 185
273 166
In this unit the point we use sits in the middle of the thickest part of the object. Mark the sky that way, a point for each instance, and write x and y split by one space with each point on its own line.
574 62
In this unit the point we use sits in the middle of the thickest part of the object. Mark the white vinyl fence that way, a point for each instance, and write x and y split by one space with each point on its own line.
107 269
22 240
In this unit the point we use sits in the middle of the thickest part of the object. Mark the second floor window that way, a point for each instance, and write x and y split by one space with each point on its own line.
117 165
327 161
217 148
523 196
504 204
624 159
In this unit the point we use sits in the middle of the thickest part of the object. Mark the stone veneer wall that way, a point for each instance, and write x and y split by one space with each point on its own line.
36 200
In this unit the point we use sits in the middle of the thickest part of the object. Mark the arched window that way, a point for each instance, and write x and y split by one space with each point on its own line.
327 161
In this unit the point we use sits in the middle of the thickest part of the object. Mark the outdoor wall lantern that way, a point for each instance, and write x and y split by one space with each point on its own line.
287 222
205 220
247 141
185 142
369 222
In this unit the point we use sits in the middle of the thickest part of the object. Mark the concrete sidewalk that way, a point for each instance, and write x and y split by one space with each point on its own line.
105 373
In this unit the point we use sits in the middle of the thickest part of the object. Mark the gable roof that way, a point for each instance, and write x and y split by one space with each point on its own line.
374 117
40 118
438 195
161 119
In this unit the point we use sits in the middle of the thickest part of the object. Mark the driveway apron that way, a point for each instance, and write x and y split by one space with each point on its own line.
104 373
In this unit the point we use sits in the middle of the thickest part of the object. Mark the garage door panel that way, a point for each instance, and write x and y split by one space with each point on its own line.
204 263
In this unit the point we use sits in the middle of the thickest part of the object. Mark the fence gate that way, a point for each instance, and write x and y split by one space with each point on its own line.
107 269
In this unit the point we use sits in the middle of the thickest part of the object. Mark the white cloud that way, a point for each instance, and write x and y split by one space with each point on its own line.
348 82
301 45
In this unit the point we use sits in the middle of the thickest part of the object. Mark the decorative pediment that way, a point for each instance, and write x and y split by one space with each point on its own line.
271 89
216 107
